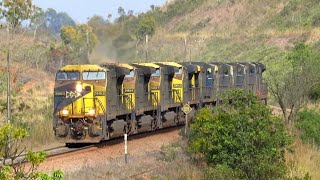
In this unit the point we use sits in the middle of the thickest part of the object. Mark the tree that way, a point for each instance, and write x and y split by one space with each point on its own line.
242 135
80 39
121 11
122 15
293 79
152 7
13 167
17 11
130 12
55 21
98 26
14 12
146 26
109 18
37 22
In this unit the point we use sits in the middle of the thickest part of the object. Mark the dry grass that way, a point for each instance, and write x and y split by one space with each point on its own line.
169 162
32 104
305 159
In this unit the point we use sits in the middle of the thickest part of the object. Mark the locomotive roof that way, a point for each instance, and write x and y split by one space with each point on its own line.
120 71
146 70
191 68
83 67
128 66
171 64
149 65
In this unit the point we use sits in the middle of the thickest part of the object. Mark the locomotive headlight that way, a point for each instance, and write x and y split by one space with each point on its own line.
92 112
65 112
79 88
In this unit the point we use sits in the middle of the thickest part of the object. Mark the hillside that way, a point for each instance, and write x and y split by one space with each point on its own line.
230 30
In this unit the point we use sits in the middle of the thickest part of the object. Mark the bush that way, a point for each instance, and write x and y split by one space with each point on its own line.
309 124
314 93
10 170
241 135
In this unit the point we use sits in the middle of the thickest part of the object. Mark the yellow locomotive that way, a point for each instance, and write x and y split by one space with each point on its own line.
99 102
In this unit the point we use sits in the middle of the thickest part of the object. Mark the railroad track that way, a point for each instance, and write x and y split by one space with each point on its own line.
50 153
62 150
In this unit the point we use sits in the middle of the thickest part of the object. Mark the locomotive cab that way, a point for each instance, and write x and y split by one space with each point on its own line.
192 85
239 74
79 103
207 81
225 76
178 82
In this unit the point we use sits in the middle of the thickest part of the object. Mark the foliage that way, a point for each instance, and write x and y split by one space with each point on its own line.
296 77
80 39
177 8
309 123
17 11
98 26
122 40
11 147
221 172
241 134
146 26
54 21
314 93
15 135
297 13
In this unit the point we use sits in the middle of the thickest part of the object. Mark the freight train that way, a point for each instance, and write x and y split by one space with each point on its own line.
93 103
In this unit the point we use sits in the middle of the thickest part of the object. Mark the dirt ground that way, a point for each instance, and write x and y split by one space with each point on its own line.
149 156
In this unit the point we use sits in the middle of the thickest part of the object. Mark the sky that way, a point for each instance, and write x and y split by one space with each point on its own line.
80 10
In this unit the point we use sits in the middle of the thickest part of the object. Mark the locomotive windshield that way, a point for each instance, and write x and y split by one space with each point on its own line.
98 75
180 71
73 76
157 73
252 70
130 75
240 71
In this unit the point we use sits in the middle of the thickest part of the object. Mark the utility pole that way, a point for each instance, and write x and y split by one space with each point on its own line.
87 33
185 49
190 58
147 48
136 55
8 76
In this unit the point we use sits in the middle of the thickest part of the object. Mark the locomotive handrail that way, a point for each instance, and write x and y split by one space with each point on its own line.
195 94
101 105
127 98
153 98
175 94
95 99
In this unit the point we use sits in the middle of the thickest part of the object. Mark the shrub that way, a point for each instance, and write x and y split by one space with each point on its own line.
309 124
241 135
10 170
